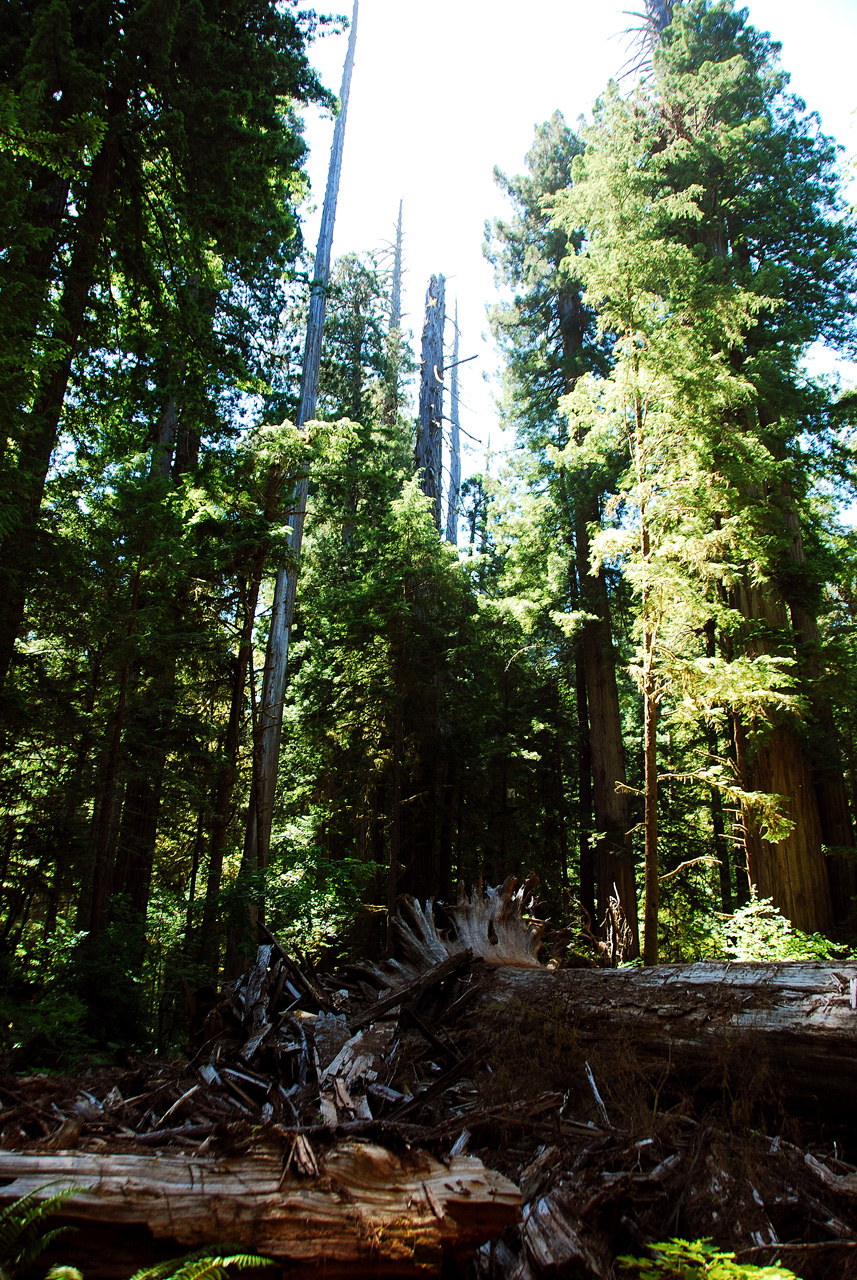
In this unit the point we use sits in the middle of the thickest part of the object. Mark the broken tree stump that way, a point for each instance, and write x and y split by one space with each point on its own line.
369 1211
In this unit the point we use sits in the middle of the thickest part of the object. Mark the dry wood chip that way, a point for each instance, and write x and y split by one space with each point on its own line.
330 1033
459 1147
341 1095
254 1042
67 1135
302 1156
433 1202
550 1240
327 1106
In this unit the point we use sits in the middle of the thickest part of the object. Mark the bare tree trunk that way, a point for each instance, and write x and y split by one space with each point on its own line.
24 504
792 871
45 210
613 859
828 775
584 792
270 720
429 440
396 295
225 785
394 335
396 802
454 445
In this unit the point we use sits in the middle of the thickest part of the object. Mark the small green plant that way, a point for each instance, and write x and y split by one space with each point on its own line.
202 1265
23 1232
698 1260
759 931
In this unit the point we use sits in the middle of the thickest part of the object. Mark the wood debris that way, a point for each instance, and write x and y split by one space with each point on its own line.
463 1102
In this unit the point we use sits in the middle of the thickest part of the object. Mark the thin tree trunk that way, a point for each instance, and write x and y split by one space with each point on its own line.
650 945
270 718
584 794
454 445
429 459
106 816
47 205
613 858
396 800
225 785
721 846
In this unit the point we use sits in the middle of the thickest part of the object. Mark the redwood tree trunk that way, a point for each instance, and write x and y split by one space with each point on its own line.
792 871
18 552
613 860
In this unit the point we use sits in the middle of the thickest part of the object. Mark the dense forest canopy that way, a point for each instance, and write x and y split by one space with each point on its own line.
629 666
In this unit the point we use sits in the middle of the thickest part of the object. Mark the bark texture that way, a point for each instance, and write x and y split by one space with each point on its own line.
454 445
429 441
792 871
267 744
366 1210
614 867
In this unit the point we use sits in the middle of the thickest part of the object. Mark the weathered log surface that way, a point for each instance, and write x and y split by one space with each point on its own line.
798 1016
368 1210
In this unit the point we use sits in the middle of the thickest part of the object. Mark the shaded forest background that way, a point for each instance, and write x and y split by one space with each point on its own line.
625 663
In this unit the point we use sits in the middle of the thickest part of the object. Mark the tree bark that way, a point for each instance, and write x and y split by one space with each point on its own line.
454 490
699 1018
831 793
368 1212
270 720
584 793
792 871
613 859
428 458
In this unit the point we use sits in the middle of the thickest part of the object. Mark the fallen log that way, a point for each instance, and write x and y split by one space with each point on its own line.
792 1024
367 1212
631 1105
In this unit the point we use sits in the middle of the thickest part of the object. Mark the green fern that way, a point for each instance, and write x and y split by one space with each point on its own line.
699 1260
23 1233
202 1265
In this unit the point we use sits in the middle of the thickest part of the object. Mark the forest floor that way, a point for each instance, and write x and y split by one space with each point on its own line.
569 1159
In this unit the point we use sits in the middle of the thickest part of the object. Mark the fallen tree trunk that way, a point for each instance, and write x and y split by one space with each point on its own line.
365 1211
794 1023
324 1119
792 1027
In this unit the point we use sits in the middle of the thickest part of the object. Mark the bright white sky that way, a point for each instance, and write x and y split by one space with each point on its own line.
443 92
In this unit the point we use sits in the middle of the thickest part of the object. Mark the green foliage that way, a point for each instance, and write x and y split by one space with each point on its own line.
202 1265
697 1260
23 1232
758 931
43 1013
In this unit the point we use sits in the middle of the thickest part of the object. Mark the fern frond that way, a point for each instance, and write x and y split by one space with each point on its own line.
202 1265
23 1235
